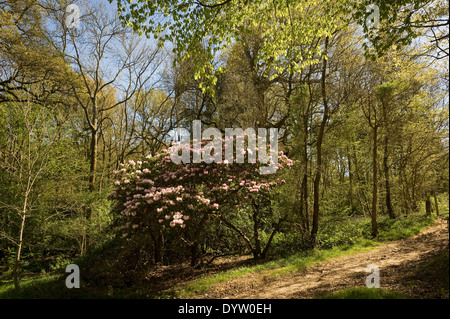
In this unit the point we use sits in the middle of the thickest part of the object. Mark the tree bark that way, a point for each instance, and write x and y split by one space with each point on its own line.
318 173
386 169
375 181
304 209
245 238
196 240
19 249
350 179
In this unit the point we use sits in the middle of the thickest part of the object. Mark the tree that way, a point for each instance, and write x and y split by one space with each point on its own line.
29 62
99 87
217 24
402 22
31 135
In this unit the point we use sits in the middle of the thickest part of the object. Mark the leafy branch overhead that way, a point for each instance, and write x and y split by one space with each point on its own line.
283 24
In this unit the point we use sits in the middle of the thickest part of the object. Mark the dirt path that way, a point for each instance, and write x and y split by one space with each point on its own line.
395 261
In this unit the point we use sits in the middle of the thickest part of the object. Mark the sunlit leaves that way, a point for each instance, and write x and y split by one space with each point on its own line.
286 25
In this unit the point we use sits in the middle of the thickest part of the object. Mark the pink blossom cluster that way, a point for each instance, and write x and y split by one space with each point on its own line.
155 192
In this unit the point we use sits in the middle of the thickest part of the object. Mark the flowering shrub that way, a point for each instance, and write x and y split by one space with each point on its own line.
156 193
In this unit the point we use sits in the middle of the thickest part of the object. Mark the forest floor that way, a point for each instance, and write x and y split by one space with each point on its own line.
402 264
413 267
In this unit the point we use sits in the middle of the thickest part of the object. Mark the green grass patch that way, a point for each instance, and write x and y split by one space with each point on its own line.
39 286
44 286
402 227
365 293
350 231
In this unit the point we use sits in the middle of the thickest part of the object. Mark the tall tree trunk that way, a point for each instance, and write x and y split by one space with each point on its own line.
318 173
359 192
350 179
375 181
304 209
389 207
304 200
405 193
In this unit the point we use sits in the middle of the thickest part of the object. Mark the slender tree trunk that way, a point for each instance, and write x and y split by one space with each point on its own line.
304 209
350 179
92 174
19 249
359 192
375 182
83 245
304 200
318 173
404 183
386 169
243 236
414 192
104 166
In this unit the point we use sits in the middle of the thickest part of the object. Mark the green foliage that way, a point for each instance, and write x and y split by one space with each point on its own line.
35 287
287 243
343 234
347 232
402 22
402 227
284 24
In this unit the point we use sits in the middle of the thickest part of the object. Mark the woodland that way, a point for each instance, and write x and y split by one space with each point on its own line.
91 97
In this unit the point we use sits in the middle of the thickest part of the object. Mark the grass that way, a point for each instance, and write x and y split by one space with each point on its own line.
402 227
365 293
31 287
